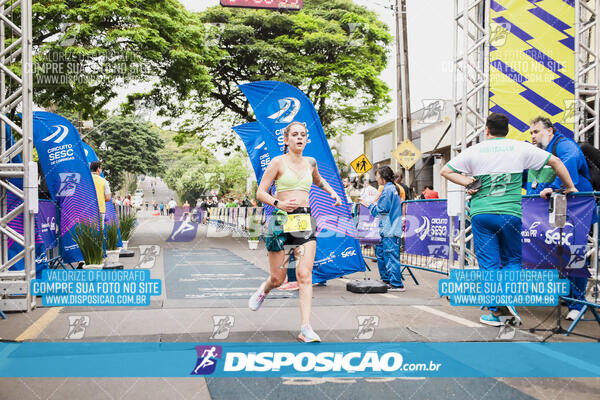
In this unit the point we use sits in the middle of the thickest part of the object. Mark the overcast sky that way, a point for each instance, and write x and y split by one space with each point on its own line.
430 35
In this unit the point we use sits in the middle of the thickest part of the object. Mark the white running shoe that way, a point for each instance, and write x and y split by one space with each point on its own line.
257 298
307 335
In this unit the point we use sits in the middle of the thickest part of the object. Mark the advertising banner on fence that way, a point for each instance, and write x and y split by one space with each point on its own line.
540 241
275 105
427 228
367 226
45 233
68 176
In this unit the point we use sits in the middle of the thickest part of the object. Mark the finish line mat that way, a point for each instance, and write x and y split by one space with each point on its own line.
213 274
363 388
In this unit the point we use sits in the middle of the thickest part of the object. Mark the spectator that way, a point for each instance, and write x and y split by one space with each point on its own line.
368 193
161 207
496 208
544 181
429 193
398 181
102 188
172 205
390 228
347 188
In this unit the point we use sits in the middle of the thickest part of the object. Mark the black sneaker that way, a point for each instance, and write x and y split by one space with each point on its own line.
392 288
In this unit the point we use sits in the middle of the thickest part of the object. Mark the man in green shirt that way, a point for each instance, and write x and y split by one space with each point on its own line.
496 207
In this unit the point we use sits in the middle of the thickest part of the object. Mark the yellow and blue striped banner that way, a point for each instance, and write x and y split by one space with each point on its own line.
532 63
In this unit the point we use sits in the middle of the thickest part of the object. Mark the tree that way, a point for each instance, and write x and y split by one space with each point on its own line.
127 145
86 50
333 50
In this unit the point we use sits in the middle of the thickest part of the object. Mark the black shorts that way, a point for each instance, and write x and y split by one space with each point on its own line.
276 238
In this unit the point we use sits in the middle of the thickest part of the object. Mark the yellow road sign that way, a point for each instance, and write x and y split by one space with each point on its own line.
407 154
361 164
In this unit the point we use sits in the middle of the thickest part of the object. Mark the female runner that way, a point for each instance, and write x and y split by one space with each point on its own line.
293 175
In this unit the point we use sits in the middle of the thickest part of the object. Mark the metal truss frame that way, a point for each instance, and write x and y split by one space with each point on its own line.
16 96
471 89
470 94
587 71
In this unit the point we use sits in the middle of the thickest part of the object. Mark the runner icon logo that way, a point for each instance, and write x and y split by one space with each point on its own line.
68 183
366 326
222 326
207 359
77 326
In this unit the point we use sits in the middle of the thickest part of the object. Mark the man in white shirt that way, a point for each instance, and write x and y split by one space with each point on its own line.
496 206
172 205
368 193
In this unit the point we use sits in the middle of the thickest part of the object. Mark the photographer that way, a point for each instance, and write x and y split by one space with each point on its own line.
498 164
544 181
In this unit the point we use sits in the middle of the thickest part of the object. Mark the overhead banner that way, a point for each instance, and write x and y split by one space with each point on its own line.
110 217
540 241
275 105
532 63
427 228
68 177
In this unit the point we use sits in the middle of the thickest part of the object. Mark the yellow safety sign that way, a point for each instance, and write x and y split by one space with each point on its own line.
361 164
407 154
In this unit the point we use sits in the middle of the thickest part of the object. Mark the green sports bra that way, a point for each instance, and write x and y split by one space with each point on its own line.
290 181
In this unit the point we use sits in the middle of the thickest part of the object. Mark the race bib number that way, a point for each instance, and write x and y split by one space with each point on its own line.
297 223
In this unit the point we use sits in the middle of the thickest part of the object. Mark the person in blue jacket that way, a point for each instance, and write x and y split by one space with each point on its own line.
389 210
544 181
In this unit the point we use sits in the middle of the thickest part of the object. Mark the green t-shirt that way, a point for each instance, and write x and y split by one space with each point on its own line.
499 163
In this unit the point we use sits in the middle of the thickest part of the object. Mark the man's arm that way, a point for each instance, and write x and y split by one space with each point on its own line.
107 194
562 172
456 177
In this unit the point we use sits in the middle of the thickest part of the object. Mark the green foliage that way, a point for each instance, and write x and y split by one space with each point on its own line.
127 223
254 227
86 50
333 50
90 238
127 145
112 236
193 170
132 187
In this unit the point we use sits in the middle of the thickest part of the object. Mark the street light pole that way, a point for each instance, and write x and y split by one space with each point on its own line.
403 131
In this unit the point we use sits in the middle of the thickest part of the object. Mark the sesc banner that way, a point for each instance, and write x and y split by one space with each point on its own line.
275 105
540 241
68 177
427 228
256 140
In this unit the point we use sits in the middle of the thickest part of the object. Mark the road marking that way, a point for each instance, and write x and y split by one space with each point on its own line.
450 317
38 326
